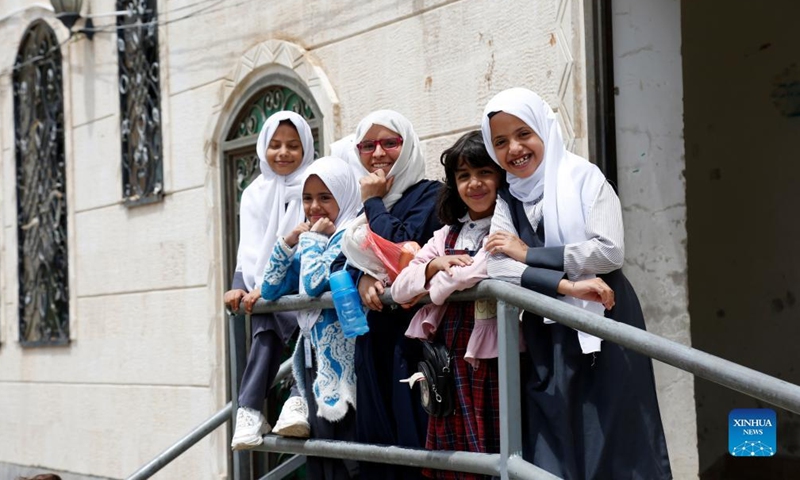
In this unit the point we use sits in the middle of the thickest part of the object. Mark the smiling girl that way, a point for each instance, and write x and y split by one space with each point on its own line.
590 409
400 206
300 262
455 260
270 206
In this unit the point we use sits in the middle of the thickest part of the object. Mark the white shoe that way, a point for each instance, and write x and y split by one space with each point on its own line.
250 428
293 420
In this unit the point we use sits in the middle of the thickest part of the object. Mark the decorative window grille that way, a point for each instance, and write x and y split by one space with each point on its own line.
241 161
41 190
140 102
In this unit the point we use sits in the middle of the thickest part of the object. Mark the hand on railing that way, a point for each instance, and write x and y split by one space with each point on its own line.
370 289
593 290
250 299
233 297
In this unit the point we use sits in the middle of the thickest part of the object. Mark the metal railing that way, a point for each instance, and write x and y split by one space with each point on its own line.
508 463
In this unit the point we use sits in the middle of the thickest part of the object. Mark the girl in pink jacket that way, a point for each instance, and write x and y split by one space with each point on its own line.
455 260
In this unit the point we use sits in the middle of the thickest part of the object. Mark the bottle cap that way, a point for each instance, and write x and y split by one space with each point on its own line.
341 280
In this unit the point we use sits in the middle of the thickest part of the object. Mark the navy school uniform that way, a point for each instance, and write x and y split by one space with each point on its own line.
388 412
586 416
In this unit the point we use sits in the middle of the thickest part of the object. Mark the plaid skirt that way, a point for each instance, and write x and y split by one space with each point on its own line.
475 425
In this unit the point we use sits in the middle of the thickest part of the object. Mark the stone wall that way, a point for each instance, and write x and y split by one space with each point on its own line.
652 189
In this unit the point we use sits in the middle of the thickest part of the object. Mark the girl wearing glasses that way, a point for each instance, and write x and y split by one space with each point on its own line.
400 205
589 407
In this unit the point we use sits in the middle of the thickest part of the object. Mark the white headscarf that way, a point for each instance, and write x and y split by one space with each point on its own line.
410 165
272 204
570 183
340 180
407 171
345 148
336 174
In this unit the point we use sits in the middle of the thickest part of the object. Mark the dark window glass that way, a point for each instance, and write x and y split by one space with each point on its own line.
140 102
41 190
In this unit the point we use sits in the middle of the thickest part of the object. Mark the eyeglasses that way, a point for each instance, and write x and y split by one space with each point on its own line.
369 146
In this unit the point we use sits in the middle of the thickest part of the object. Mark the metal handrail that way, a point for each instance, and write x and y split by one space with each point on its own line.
170 454
509 463
724 372
198 433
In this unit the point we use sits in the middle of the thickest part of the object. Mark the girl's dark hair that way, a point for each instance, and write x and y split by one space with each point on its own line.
289 123
471 149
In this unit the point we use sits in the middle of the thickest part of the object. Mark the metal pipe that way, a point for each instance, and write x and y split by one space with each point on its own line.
241 464
480 463
286 468
183 444
724 372
520 469
508 372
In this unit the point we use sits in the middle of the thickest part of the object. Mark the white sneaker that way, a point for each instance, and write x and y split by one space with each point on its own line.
250 428
293 420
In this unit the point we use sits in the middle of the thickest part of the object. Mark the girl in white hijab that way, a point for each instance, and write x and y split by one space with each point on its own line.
399 205
271 205
345 148
560 222
300 262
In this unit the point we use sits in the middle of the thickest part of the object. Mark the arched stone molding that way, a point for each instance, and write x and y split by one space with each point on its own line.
565 66
253 72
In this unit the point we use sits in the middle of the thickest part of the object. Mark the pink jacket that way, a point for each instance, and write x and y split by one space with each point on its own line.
410 285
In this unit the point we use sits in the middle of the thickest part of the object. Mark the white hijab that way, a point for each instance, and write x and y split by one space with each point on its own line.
345 149
410 165
272 204
336 174
407 171
570 183
340 180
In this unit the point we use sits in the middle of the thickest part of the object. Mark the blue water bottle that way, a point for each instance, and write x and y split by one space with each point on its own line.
348 304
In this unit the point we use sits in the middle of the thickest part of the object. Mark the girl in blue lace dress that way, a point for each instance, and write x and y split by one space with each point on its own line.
300 263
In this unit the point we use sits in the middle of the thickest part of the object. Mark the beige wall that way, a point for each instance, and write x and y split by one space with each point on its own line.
652 188
146 361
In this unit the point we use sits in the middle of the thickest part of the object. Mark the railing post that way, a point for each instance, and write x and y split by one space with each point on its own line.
510 413
237 334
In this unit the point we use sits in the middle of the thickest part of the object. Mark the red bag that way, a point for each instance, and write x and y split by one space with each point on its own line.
395 256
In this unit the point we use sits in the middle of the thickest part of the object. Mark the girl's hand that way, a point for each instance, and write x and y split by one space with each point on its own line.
443 264
250 299
369 289
233 297
508 244
324 226
375 185
593 290
294 235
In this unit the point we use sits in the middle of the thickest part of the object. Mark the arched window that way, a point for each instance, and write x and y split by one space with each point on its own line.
140 102
239 148
41 190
